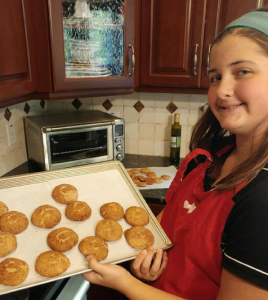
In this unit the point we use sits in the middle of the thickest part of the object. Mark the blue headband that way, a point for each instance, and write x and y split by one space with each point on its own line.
257 20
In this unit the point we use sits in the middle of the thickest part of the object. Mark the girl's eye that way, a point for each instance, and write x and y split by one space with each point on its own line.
214 79
242 72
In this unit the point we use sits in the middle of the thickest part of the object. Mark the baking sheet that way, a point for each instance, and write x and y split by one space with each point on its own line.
97 184
159 171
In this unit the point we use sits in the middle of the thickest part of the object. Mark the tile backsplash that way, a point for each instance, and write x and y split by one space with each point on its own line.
148 119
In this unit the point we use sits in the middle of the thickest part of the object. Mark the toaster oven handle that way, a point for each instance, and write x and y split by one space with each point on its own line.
50 129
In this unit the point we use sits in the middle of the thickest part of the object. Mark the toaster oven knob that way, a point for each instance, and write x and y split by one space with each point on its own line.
119 147
119 156
117 140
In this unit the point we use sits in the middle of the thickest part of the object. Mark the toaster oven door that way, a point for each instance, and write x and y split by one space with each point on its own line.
79 146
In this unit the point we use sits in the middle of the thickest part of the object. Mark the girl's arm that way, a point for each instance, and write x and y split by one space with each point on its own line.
235 288
116 277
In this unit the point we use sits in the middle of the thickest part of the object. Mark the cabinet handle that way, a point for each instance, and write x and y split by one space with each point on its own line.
132 59
208 58
195 59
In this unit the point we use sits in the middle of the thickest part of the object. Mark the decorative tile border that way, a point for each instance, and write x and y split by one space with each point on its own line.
142 112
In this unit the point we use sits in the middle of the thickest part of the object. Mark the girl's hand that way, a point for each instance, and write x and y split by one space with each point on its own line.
108 275
148 265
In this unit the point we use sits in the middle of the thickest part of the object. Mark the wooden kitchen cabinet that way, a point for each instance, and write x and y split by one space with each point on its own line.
83 52
218 15
174 38
16 52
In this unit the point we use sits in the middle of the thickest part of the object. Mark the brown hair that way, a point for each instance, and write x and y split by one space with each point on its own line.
208 133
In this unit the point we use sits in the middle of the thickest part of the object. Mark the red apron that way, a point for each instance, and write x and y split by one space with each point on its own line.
194 221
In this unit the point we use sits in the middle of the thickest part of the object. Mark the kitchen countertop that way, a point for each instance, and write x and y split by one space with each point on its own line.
130 161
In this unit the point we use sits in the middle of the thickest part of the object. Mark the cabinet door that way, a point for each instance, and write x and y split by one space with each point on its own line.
91 44
219 15
16 73
171 42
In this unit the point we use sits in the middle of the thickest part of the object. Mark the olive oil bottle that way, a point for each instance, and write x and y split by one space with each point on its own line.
175 143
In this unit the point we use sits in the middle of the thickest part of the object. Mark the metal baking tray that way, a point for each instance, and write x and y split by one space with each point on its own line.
97 184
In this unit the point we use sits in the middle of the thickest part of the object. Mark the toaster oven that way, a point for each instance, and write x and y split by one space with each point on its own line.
68 140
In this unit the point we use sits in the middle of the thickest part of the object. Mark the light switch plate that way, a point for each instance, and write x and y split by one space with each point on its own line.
11 133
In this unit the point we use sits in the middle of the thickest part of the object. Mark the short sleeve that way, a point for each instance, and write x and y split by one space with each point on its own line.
245 236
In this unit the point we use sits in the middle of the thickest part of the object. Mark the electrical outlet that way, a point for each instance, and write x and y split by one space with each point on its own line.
11 133
114 113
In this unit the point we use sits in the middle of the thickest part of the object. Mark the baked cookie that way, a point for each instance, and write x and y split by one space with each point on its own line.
165 177
139 237
135 171
151 175
109 230
8 243
112 210
150 180
65 193
136 180
93 245
51 263
13 222
145 171
136 216
13 271
159 180
62 239
142 184
142 178
78 211
3 208
46 216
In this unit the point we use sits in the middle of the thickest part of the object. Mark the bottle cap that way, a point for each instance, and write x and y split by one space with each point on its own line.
177 118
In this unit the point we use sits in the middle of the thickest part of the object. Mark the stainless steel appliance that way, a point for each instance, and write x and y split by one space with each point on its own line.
68 140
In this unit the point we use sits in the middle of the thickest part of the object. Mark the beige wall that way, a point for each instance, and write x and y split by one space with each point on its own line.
147 132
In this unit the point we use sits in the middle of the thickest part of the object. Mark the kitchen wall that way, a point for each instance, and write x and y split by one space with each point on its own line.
148 120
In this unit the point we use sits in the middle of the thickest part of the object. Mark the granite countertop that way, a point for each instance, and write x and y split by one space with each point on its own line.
130 161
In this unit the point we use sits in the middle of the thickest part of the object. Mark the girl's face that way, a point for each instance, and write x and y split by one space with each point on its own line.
238 93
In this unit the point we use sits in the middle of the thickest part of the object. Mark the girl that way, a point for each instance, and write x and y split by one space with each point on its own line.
217 205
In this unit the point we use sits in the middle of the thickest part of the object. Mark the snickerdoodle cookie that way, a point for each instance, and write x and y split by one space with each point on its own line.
51 263
93 245
135 171
13 271
159 180
13 222
78 211
8 243
139 237
166 177
109 230
46 216
62 239
3 208
136 216
112 210
65 193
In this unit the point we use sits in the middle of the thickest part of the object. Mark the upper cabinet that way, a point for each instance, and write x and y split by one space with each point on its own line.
174 38
218 15
16 52
84 47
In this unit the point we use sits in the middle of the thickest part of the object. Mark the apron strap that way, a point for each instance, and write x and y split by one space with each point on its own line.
182 168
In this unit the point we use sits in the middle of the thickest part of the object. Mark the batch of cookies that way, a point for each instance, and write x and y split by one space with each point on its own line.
54 262
144 176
